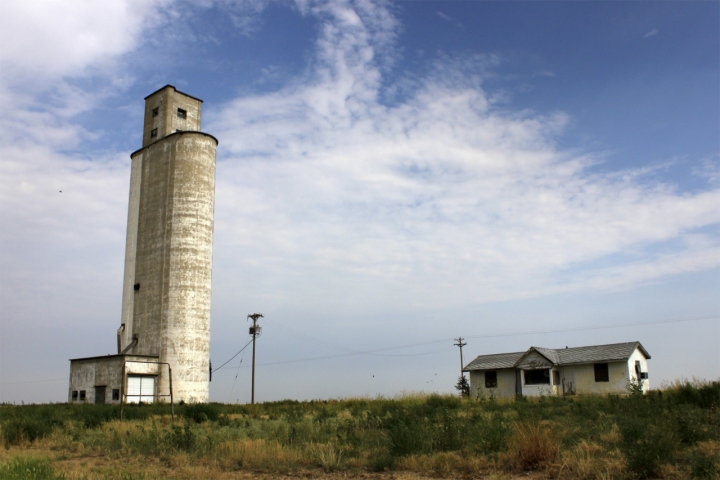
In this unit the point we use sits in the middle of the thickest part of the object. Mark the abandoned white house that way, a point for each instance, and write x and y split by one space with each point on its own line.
597 369
163 343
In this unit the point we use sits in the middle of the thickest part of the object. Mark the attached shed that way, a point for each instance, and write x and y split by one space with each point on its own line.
596 369
116 378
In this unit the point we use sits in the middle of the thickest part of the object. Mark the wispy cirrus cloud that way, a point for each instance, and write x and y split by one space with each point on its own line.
441 198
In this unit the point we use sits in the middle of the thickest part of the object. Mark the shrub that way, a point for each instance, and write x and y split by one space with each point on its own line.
201 412
533 445
182 437
704 467
647 446
17 430
28 469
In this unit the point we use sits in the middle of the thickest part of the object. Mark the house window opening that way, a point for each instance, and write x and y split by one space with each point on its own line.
156 111
537 377
181 113
74 395
601 372
140 389
556 377
116 394
153 133
490 379
136 287
82 395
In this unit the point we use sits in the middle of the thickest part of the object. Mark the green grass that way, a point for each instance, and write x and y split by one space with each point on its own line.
638 436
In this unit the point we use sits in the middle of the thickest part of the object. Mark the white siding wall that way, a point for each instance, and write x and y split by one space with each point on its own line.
638 356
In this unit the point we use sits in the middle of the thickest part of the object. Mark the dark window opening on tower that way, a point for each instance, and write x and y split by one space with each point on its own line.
82 395
182 113
116 394
136 287
156 111
153 133
601 372
74 395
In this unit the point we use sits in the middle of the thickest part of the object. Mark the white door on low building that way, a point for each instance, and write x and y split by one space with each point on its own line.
140 389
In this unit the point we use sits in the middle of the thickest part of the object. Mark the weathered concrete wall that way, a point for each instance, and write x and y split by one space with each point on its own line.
173 258
128 299
167 100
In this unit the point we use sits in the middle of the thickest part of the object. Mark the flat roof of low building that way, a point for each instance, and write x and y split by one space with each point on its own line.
114 355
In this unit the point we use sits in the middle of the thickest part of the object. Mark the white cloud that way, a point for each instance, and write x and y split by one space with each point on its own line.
651 33
52 38
442 198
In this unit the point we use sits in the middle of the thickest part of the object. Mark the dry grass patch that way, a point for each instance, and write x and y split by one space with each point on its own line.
589 461
447 464
533 445
257 454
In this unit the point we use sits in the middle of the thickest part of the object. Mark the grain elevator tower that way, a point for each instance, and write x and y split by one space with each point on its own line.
168 256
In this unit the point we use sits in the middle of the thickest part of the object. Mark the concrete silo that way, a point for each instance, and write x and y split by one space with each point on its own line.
168 259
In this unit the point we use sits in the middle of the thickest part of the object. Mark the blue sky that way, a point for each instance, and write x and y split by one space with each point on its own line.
389 174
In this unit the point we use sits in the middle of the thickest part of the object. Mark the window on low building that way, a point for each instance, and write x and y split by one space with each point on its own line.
116 394
556 377
537 377
74 395
182 113
82 395
601 372
491 379
140 389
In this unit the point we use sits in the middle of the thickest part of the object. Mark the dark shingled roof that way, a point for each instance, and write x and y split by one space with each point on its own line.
560 356
493 362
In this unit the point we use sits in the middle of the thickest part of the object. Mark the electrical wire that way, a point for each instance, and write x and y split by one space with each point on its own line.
238 353
534 332
353 352
236 376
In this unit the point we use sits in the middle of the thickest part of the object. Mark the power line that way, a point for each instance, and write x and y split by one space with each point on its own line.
238 353
534 332
419 344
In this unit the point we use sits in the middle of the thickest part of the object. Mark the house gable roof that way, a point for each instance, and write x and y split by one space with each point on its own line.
599 353
560 356
494 362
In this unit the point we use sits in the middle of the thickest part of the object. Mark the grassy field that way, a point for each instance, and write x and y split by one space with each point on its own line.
668 433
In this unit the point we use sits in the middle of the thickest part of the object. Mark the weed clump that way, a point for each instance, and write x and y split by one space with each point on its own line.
534 445
29 469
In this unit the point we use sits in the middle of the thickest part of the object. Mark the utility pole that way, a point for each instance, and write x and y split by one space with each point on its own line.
255 332
460 344
462 385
